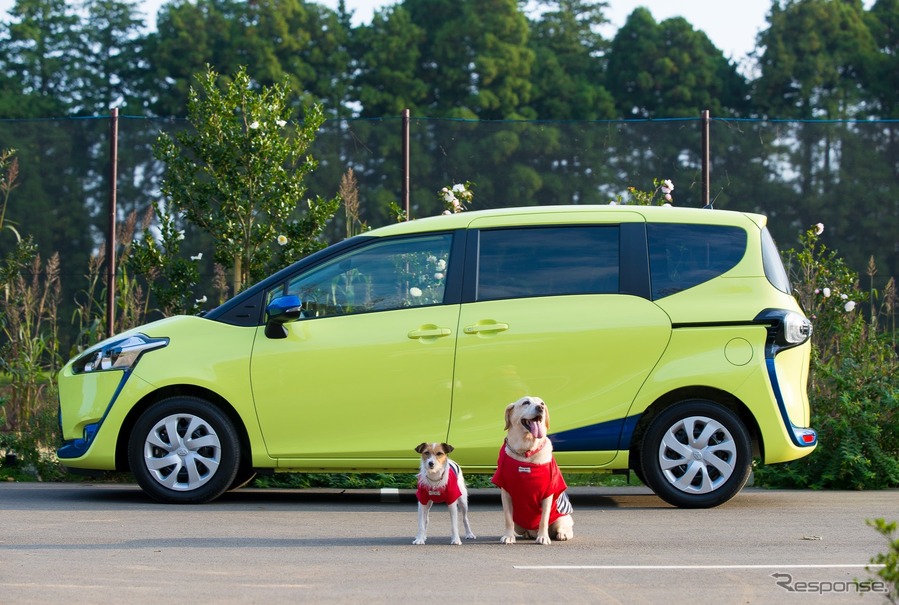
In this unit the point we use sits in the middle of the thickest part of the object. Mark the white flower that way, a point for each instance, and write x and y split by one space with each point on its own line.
849 306
459 188
441 265
613 203
448 197
844 296
819 228
254 125
200 301
415 292
198 256
281 123
438 275
667 187
282 240
447 212
666 205
826 292
181 234
432 259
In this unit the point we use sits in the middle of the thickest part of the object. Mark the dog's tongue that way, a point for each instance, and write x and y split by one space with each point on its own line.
536 429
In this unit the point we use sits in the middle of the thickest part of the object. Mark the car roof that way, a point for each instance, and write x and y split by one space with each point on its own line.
672 214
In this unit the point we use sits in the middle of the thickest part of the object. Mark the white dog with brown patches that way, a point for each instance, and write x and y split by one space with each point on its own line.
535 503
440 480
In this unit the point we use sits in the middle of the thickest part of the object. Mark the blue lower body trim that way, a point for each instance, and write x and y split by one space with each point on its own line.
609 436
802 437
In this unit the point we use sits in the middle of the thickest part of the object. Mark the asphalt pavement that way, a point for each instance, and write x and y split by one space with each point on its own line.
108 543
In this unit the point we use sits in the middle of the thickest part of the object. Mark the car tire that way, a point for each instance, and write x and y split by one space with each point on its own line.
696 454
184 450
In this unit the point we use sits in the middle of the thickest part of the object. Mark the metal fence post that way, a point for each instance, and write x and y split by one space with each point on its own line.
404 194
706 162
111 242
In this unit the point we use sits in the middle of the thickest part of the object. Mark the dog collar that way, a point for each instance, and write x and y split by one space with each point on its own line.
439 481
528 453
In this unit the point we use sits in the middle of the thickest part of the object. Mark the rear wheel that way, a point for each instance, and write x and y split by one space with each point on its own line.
184 450
696 454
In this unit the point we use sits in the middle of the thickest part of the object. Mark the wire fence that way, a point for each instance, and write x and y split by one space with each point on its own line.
844 174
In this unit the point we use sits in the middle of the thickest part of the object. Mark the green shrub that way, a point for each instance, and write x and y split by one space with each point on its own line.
854 386
890 559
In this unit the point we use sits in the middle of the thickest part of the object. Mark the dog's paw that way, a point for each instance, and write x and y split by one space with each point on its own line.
470 536
419 540
456 541
507 539
543 539
564 535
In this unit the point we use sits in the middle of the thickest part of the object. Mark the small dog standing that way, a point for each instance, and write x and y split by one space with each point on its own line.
440 480
533 490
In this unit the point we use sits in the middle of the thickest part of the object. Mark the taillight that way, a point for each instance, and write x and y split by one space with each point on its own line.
786 329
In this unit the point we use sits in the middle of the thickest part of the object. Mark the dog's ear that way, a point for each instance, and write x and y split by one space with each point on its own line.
509 409
546 416
421 447
447 448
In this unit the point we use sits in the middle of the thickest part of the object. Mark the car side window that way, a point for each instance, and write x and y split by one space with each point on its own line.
682 256
548 261
381 276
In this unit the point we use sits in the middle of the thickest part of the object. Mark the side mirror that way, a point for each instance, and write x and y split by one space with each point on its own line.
280 311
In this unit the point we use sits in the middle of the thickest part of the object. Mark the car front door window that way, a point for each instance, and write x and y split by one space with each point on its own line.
382 276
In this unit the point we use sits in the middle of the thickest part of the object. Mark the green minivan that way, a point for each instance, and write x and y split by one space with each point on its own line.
665 340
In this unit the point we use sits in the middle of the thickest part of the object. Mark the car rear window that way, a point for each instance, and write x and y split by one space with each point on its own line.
774 267
547 261
682 256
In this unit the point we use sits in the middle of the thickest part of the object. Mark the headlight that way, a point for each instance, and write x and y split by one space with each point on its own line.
117 354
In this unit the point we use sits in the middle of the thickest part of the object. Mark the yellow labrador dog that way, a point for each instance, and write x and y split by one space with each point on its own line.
535 503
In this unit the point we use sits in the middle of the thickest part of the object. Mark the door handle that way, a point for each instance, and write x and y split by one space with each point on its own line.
426 332
481 328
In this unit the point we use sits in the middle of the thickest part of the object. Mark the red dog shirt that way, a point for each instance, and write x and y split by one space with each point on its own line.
448 492
529 484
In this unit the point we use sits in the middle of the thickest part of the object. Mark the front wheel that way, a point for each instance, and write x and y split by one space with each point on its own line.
184 450
696 454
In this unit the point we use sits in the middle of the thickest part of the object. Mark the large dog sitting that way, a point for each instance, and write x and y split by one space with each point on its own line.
535 504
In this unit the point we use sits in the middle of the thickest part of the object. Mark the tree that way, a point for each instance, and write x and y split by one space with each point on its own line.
669 69
274 39
817 56
240 175
475 60
881 73
388 52
188 37
812 55
110 55
570 62
41 40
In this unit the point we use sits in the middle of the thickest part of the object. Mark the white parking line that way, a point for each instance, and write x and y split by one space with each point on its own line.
701 567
